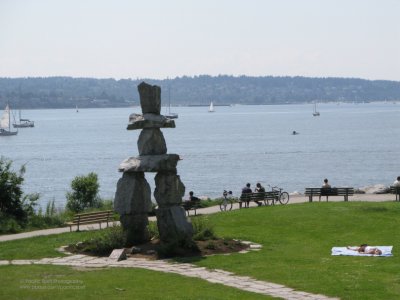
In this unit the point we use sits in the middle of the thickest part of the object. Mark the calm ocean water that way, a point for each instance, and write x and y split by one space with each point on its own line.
353 145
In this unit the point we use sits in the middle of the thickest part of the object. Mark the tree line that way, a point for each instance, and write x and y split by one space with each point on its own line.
68 92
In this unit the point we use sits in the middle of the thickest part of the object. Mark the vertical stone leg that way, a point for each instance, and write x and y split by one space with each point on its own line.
135 228
133 201
172 223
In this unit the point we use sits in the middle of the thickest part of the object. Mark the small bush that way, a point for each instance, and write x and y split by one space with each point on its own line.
104 241
8 224
179 247
211 246
203 229
84 193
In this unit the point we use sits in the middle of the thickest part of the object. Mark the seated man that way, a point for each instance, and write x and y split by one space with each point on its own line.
325 186
193 198
191 202
396 183
246 190
259 189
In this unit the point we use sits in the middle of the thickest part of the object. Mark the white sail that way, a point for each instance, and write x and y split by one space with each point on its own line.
5 118
211 109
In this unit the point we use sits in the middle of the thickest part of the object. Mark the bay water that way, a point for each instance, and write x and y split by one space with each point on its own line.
350 144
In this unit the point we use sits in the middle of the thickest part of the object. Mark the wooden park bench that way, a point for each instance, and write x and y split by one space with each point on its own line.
91 218
336 191
395 190
191 205
265 197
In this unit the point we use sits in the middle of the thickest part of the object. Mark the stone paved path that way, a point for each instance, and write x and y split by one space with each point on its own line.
214 276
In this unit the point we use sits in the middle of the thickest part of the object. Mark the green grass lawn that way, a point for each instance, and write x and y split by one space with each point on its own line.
58 282
297 241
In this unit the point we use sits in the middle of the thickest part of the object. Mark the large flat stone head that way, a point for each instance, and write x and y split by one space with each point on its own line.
150 98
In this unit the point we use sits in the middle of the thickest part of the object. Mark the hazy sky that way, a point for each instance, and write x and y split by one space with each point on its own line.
169 38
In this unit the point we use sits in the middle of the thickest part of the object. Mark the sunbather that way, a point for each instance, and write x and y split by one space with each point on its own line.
364 248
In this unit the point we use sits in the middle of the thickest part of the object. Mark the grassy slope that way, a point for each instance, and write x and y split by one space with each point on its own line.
296 240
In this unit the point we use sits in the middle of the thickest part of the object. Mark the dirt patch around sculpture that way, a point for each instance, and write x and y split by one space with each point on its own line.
151 249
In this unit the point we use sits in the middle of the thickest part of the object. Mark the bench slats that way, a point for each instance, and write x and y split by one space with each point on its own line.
258 197
337 191
91 218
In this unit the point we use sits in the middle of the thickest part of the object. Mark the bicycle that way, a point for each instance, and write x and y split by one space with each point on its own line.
282 196
226 203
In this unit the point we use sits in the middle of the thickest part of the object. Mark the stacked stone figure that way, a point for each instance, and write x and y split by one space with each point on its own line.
133 195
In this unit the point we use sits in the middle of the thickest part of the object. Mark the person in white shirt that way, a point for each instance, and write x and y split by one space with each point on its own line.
326 185
397 182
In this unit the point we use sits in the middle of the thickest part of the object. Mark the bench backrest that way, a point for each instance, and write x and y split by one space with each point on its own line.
98 215
336 191
395 190
259 196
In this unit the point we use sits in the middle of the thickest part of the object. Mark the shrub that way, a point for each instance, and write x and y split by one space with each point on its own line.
11 195
9 224
203 229
104 241
84 193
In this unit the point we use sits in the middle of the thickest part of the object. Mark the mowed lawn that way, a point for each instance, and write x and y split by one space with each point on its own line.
297 241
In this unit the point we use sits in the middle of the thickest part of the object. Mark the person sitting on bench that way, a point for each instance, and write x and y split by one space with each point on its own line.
247 190
259 189
192 198
397 182
325 185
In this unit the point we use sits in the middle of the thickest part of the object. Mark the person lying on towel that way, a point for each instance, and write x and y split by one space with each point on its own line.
364 248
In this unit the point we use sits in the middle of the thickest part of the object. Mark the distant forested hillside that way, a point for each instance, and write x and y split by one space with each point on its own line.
67 92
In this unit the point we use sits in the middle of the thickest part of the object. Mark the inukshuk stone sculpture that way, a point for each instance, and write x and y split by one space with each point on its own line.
133 195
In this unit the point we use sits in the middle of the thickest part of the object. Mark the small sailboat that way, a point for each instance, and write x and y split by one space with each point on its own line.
77 110
23 123
315 113
211 108
170 115
5 123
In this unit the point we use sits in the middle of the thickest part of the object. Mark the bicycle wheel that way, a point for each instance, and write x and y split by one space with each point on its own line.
225 205
284 198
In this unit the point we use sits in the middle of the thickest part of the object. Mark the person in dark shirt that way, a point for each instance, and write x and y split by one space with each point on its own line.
246 189
193 198
259 189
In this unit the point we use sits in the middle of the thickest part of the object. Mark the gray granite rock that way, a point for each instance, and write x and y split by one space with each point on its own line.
137 121
151 142
150 163
133 194
135 228
169 189
150 98
173 224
